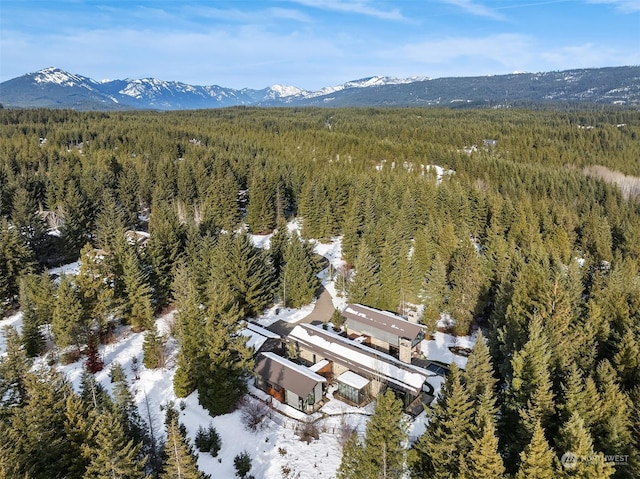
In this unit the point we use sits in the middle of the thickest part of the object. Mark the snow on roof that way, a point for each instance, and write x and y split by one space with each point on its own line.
359 358
318 366
352 379
255 340
382 320
262 331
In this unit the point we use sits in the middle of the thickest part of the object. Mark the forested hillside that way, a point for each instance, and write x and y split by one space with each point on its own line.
517 236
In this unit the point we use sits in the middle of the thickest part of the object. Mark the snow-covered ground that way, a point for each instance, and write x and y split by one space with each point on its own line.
276 451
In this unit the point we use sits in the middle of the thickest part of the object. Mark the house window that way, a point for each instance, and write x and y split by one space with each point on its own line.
349 392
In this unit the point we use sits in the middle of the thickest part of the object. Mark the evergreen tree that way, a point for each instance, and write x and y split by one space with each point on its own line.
435 293
261 210
385 434
32 335
576 441
299 273
153 348
32 228
529 399
364 286
138 309
243 267
78 428
69 324
537 461
114 455
466 286
278 245
181 462
95 291
229 361
32 439
77 221
14 366
163 250
15 259
190 322
484 458
436 453
353 464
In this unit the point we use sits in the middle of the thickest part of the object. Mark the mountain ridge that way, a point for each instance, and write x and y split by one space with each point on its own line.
52 87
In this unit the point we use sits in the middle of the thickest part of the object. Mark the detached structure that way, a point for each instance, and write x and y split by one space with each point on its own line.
288 382
384 331
361 372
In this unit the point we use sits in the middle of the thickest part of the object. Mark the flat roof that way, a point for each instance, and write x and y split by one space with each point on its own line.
360 359
352 379
383 320
289 375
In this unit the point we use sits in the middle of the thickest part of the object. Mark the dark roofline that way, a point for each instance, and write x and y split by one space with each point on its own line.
382 320
286 374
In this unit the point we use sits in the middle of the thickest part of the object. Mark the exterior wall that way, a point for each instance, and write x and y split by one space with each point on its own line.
378 337
405 351
338 369
291 399
308 356
317 391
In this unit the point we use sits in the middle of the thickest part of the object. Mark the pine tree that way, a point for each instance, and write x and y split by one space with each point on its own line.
277 247
627 360
538 459
299 273
364 286
385 434
244 268
77 221
78 428
466 286
436 453
529 399
153 349
69 323
181 462
137 310
94 289
114 455
576 440
163 250
14 366
190 322
223 380
353 465
15 259
261 210
484 458
32 335
34 440
434 293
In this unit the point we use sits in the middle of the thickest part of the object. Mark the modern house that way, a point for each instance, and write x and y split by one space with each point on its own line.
290 383
384 331
360 372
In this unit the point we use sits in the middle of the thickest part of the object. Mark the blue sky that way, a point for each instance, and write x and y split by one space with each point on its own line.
313 43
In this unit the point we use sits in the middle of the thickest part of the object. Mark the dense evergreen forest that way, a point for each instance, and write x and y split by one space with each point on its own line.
518 238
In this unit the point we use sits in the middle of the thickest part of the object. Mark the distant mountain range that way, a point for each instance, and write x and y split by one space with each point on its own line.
55 88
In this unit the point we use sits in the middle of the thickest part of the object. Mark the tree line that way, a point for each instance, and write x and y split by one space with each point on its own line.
517 241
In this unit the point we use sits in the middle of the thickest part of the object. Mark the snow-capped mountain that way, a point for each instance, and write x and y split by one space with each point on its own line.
55 88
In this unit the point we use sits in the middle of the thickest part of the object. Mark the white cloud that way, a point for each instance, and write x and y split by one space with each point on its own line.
474 8
361 7
624 6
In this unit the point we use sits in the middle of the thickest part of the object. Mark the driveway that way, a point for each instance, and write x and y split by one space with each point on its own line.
322 311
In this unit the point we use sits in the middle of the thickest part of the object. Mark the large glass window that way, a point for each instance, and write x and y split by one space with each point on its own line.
349 392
